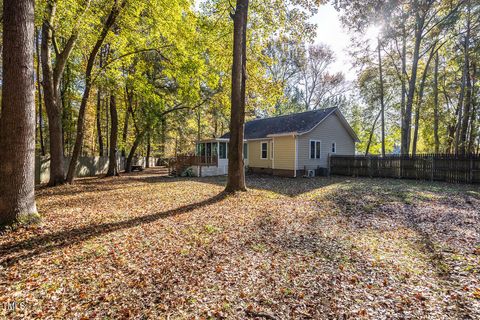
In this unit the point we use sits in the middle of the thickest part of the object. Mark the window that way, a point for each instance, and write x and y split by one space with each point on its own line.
271 150
264 150
315 147
334 147
209 149
201 149
214 149
222 150
245 151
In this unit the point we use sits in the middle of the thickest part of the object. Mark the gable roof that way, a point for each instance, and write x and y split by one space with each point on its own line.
295 123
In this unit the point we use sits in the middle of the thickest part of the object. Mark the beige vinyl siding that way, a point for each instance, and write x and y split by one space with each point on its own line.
254 154
284 152
328 131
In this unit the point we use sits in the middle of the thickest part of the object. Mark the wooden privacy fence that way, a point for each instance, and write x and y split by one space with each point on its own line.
434 167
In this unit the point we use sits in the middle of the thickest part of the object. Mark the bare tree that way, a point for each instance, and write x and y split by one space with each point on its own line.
316 85
283 66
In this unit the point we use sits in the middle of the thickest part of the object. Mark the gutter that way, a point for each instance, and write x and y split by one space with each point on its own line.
282 134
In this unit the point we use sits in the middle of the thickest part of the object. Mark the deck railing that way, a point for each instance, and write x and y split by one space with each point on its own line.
181 162
194 160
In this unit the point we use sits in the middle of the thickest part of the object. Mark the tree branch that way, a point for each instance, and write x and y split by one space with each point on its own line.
181 106
129 54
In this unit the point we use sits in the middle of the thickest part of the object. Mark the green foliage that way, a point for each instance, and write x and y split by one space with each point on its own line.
444 31
169 64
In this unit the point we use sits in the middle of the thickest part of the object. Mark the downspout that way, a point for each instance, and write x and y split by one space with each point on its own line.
296 157
272 156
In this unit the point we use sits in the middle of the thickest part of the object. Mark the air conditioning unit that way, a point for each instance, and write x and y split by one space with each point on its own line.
311 173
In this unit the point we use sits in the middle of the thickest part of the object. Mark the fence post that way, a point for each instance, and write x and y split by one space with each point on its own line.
369 166
329 165
471 170
432 168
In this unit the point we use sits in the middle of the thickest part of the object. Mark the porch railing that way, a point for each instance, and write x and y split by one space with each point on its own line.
181 162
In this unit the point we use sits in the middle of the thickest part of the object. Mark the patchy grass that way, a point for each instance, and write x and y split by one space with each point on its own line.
146 246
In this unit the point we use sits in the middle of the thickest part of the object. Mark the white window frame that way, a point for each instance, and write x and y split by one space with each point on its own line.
333 146
271 150
315 150
226 150
261 150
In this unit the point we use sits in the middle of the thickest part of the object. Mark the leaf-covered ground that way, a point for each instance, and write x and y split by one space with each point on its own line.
149 247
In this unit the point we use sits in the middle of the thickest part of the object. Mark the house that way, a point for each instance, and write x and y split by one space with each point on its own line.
290 145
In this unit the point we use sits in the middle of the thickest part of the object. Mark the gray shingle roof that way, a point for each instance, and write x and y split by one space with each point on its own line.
296 122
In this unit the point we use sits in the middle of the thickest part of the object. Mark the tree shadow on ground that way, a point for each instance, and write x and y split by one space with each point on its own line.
443 218
104 183
47 243
290 187
438 214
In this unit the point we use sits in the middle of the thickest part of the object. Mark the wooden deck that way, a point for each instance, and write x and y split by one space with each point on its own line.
178 164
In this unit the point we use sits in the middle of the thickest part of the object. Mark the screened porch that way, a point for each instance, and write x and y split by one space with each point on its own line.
214 151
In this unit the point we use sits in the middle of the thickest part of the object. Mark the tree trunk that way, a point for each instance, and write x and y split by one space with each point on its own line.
136 143
367 150
107 122
149 149
420 100
199 125
125 132
215 124
459 113
407 119
129 95
163 138
236 169
51 94
112 155
473 117
99 115
99 123
435 106
382 101
404 71
114 12
17 121
52 77
462 148
451 138
39 89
